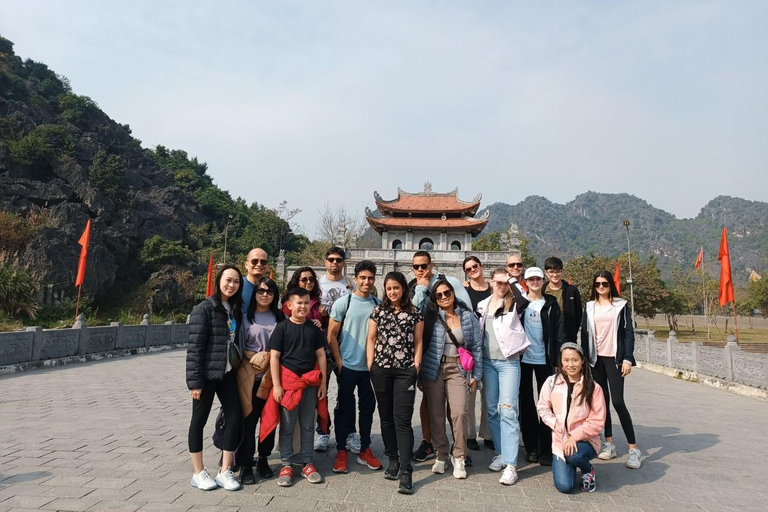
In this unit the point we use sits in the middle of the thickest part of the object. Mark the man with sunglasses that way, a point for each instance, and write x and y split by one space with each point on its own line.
256 267
333 284
514 268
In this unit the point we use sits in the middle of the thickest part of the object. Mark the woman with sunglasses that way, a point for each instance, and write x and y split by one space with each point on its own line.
608 341
393 353
258 323
449 324
501 373
305 278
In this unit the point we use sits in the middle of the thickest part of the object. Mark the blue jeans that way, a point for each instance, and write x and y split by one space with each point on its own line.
304 416
501 382
564 471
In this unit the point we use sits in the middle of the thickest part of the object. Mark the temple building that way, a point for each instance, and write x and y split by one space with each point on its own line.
440 223
427 220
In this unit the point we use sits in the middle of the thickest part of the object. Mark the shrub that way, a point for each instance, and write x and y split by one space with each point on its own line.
15 232
108 172
158 251
18 292
37 150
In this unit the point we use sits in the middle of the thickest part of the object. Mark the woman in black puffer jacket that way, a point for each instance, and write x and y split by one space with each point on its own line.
213 326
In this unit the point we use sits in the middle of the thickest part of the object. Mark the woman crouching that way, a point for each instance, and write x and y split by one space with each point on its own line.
574 408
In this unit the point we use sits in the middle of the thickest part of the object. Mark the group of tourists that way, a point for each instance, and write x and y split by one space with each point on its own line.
268 359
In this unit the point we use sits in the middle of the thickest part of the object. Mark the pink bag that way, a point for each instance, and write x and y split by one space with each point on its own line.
466 359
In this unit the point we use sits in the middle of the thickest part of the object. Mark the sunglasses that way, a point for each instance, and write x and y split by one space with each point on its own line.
306 280
422 266
443 295
514 265
255 262
264 291
335 260
500 283
554 272
602 284
471 269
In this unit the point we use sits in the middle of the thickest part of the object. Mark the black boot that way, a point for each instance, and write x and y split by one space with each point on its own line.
406 483
392 470
246 476
263 468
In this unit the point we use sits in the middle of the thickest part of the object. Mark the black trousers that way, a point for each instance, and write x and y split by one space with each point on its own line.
229 398
536 434
244 455
608 375
395 391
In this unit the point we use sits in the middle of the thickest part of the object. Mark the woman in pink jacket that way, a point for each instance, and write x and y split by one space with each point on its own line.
574 408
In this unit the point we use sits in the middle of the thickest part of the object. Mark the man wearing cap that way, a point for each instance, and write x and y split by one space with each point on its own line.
543 324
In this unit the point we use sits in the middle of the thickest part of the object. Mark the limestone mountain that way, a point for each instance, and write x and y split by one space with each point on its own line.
592 223
64 161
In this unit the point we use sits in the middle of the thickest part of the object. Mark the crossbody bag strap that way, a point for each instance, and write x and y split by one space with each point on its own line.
449 331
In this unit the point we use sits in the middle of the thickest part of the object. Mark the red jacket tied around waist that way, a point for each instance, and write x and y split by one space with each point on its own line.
294 386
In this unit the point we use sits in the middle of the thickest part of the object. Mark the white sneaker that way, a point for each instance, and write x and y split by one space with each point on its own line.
321 443
633 462
439 467
459 470
203 481
509 476
496 464
227 480
607 452
353 442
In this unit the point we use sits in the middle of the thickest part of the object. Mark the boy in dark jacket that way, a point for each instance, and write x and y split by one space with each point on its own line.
567 295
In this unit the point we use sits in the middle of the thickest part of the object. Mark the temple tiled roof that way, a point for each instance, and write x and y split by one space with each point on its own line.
473 225
427 202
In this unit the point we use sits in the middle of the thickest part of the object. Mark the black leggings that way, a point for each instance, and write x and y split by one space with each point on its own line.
228 395
395 391
244 455
536 434
607 374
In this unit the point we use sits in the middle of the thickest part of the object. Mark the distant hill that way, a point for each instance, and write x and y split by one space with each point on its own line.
592 223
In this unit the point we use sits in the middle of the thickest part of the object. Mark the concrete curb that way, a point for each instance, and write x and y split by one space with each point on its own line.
713 382
97 356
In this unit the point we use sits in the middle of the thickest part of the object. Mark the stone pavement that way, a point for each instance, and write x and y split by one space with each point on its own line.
112 435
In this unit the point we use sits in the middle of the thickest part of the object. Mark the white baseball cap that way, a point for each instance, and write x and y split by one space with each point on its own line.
533 272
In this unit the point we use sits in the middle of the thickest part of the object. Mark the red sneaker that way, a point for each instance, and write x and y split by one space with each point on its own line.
311 474
367 458
340 465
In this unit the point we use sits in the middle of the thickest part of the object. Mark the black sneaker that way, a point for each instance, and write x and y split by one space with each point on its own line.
263 468
533 456
546 459
406 483
472 444
424 452
392 470
246 476
468 461
489 444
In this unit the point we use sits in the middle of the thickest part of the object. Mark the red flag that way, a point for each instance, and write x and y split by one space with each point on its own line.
270 274
209 284
617 277
725 293
569 281
84 239
700 258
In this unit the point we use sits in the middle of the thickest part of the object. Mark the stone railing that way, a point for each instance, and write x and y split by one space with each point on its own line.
728 363
36 345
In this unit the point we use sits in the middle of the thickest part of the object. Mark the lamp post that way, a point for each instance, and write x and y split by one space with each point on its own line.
629 281
226 228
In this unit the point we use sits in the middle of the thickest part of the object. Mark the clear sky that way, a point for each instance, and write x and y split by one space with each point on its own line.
327 101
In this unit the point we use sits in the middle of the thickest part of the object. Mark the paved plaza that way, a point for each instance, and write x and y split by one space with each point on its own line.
112 435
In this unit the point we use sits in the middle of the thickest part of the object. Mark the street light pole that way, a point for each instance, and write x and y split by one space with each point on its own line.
629 281
226 228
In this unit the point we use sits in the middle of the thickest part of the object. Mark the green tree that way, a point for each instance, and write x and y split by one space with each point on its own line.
158 251
39 149
108 172
529 260
79 110
488 242
757 294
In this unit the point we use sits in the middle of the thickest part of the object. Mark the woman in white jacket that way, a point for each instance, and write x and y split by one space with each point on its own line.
503 341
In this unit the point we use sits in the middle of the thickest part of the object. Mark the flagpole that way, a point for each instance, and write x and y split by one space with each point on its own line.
704 289
77 305
735 322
